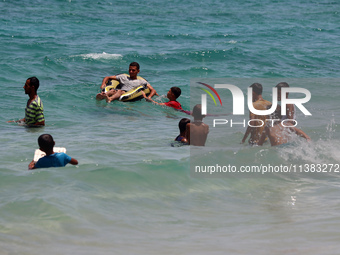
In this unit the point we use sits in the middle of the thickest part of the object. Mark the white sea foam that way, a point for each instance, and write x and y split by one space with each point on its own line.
103 55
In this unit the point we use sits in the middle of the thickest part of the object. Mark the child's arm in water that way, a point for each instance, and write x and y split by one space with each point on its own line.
150 100
73 161
299 132
31 165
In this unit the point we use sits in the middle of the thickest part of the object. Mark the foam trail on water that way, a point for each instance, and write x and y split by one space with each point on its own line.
103 55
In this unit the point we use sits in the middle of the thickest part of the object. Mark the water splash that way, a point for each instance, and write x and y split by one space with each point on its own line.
96 56
324 149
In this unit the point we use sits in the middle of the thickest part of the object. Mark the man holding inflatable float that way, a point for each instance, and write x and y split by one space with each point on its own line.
126 83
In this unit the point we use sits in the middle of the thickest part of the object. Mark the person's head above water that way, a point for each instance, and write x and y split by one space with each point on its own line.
279 86
182 125
46 142
197 112
257 88
176 92
31 85
133 70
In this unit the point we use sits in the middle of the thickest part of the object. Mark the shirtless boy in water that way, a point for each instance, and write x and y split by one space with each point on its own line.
197 131
255 128
277 133
290 109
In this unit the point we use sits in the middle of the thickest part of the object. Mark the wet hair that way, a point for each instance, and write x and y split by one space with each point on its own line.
182 125
46 142
197 111
34 82
257 88
135 64
282 85
176 91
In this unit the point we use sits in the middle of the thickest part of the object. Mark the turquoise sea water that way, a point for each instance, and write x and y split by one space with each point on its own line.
132 193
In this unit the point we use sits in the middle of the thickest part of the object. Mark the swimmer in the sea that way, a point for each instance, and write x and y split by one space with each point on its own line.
277 133
182 125
51 159
172 95
290 109
197 131
127 83
255 128
34 112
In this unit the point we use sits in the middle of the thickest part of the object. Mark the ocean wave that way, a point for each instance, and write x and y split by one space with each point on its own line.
103 55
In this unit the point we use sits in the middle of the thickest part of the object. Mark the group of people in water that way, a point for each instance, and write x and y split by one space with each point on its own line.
34 117
191 132
277 132
194 133
258 130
